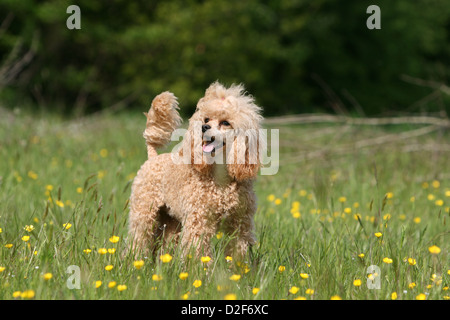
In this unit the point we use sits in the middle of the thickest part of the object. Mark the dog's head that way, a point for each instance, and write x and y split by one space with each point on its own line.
225 129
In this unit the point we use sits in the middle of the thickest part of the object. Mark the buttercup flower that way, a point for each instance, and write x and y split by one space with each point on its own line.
387 260
165 258
357 282
197 283
156 277
421 296
47 276
230 296
114 239
183 275
235 277
121 287
138 264
29 228
434 249
309 291
28 294
205 259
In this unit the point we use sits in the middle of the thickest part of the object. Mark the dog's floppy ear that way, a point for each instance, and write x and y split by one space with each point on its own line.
243 158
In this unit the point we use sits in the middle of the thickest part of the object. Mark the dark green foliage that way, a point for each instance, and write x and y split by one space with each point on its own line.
294 56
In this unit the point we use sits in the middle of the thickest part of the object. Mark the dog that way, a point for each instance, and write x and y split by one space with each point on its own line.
187 203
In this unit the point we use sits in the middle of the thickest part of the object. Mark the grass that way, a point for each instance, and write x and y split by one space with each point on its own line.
71 181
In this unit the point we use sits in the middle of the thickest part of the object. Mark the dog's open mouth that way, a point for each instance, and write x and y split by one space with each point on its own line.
210 146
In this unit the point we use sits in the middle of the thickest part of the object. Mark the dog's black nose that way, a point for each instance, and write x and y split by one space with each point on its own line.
205 127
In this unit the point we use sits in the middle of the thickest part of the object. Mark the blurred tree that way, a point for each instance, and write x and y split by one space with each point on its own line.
293 55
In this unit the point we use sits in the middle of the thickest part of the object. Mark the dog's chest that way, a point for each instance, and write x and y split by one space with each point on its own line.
223 200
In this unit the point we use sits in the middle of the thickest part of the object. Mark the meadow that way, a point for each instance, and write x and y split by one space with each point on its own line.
346 197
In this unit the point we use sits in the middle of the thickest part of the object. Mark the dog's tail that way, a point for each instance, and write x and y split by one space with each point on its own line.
162 119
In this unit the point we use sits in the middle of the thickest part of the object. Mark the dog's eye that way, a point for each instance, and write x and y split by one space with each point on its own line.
206 120
224 123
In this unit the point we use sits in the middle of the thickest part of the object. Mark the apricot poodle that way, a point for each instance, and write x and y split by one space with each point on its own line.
204 186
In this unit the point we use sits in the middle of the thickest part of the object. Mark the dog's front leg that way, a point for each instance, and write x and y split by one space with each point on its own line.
241 230
196 235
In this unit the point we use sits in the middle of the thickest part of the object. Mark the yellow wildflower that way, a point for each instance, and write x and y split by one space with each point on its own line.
47 276
121 287
183 275
197 283
59 203
387 260
114 239
156 277
434 249
309 291
421 296
205 259
28 294
138 264
109 267
165 258
294 290
230 296
29 228
357 282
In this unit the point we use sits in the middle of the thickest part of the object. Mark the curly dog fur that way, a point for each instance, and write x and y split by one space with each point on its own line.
190 202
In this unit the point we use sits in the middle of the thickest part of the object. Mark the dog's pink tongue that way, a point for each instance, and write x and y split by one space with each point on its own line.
208 148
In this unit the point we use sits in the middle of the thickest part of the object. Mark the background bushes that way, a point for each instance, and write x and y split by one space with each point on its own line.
294 56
